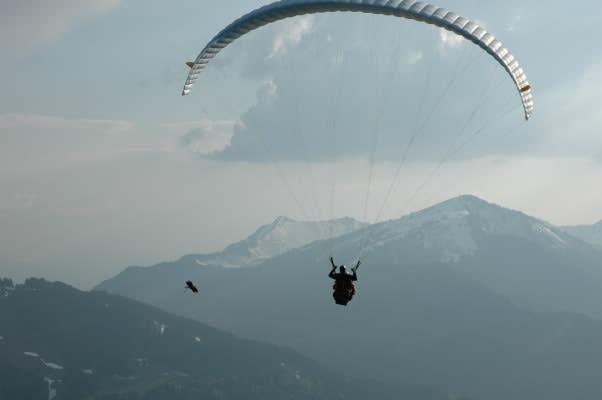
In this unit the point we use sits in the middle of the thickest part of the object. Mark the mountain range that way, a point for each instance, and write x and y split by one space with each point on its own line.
59 342
530 261
484 300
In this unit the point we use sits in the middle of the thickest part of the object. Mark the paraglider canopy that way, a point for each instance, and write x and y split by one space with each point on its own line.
409 9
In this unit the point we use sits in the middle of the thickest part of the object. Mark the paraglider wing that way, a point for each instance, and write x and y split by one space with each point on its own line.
410 9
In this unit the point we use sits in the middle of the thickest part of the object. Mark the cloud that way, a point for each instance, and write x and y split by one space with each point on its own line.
567 116
514 22
345 92
267 91
337 89
412 57
39 22
256 53
37 121
16 200
539 186
449 39
43 160
114 153
205 137
290 35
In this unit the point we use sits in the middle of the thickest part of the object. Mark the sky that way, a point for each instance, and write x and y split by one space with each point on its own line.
103 164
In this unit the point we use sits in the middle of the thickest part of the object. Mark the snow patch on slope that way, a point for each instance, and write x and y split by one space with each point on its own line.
547 231
161 327
46 363
142 361
51 365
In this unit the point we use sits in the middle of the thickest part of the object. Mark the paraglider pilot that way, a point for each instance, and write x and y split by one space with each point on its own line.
343 287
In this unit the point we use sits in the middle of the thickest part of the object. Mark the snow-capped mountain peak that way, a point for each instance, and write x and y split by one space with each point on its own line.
276 238
452 228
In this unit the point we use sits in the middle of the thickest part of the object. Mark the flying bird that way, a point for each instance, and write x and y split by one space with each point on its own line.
190 285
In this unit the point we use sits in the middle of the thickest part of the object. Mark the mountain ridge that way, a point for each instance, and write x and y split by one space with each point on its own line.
460 232
59 341
449 290
270 240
